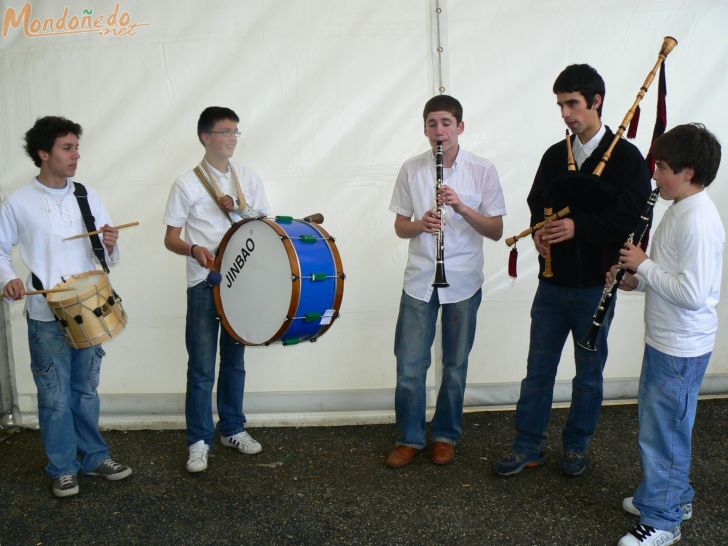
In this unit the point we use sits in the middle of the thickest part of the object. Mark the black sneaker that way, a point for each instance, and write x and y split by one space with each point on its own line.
516 461
573 463
646 535
65 485
111 470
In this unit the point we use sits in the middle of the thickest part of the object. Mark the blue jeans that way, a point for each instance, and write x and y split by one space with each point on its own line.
668 399
412 347
201 337
557 311
68 404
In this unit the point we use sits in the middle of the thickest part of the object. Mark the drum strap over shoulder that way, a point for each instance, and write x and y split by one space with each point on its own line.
89 221
36 282
208 186
205 177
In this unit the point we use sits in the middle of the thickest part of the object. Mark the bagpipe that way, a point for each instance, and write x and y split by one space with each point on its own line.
576 191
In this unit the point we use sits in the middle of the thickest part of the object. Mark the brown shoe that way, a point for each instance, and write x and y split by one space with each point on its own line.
442 452
401 456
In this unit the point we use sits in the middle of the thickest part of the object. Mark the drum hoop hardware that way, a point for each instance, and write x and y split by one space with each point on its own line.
289 244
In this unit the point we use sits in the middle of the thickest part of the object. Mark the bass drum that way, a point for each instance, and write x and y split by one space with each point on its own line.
282 280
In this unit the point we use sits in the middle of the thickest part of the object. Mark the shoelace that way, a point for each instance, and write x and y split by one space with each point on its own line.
641 531
198 452
517 457
112 464
245 440
65 480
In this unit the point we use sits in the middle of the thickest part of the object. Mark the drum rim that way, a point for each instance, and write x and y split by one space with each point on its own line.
339 269
295 270
78 296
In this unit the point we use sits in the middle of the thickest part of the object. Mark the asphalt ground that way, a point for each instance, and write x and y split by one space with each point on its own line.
329 485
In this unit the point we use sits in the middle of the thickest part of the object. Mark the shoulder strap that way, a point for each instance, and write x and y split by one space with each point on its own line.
208 186
89 221
36 282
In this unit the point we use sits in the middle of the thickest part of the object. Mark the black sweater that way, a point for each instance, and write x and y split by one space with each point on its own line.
605 210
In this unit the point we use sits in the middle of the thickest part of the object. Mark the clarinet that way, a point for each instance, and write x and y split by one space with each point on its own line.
588 342
440 281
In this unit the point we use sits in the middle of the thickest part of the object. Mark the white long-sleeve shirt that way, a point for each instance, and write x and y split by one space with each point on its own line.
37 219
682 278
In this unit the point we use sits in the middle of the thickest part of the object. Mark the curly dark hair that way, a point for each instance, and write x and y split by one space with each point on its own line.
43 135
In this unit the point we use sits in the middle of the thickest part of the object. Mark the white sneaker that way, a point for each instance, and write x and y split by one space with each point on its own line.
645 535
197 461
628 506
243 442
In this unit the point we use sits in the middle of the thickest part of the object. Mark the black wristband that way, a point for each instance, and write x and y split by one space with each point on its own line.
192 249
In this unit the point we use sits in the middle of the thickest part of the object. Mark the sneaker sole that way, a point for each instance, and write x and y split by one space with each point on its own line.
635 512
573 474
61 493
531 464
196 470
112 477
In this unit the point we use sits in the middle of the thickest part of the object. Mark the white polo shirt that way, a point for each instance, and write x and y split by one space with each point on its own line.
476 181
190 206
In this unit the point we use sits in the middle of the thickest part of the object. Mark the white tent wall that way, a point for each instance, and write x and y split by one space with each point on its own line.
330 96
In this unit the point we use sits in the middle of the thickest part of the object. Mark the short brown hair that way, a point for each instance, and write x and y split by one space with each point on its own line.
689 146
444 103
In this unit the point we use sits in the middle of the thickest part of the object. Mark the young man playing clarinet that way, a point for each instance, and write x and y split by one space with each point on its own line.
681 279
582 247
38 217
472 201
205 202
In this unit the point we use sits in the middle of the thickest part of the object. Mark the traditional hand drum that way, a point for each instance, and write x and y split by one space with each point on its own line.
90 312
282 280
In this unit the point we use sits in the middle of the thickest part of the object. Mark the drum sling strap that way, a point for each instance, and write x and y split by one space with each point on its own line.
205 178
88 219
79 190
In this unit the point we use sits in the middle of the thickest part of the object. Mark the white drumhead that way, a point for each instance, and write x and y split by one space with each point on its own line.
78 285
256 286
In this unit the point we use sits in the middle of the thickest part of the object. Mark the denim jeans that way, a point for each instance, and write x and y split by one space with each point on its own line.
68 404
412 347
668 399
201 337
555 312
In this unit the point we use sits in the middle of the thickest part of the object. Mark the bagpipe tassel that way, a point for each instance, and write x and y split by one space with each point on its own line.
513 262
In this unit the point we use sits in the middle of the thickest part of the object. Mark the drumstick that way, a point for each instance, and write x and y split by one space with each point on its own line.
316 218
122 226
49 291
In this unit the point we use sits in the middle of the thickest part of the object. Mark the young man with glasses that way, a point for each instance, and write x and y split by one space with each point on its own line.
205 202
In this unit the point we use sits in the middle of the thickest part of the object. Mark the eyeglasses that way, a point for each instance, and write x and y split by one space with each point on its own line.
226 132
